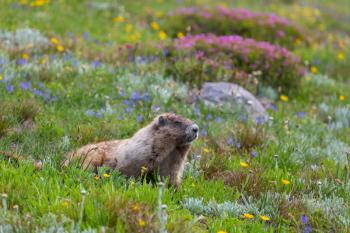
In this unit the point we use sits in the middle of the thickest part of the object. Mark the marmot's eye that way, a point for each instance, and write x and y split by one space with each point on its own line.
178 123
161 121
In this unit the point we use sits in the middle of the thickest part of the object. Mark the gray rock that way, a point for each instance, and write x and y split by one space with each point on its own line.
235 97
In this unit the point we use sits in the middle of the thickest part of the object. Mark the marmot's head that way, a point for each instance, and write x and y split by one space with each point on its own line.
176 129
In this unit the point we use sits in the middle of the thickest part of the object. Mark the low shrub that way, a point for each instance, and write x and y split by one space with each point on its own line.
200 58
239 21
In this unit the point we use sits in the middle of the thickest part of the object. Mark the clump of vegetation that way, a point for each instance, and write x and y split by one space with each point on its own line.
17 112
4 125
237 21
200 58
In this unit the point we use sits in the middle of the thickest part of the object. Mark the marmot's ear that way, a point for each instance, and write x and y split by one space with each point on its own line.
161 121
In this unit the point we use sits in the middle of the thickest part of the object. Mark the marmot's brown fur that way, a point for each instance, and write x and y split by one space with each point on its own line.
160 148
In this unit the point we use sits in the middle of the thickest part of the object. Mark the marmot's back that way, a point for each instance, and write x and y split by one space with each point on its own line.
94 155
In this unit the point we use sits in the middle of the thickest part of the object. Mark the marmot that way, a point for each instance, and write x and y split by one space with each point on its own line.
160 148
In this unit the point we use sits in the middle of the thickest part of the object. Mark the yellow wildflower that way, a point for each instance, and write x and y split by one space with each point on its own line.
341 56
0 77
314 69
155 26
128 27
118 19
264 218
23 2
39 3
341 98
135 207
97 177
284 98
158 14
297 41
43 60
65 203
54 41
205 150
135 36
243 164
106 175
25 56
60 48
221 232
141 223
285 182
248 216
180 35
162 35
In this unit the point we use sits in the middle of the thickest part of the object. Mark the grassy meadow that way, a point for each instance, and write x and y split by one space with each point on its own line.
82 71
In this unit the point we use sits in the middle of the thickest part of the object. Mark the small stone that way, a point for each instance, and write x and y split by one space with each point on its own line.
38 165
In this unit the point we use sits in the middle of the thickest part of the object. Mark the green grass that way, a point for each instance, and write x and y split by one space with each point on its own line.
305 141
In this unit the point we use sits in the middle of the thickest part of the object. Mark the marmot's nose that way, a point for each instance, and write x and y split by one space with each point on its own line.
195 128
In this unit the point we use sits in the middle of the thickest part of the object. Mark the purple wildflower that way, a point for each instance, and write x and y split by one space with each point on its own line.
90 113
86 35
306 226
238 145
155 108
128 109
22 62
9 88
260 120
146 97
53 57
135 96
204 131
166 52
127 102
230 141
25 85
95 64
218 119
75 64
209 116
98 114
54 98
253 154
46 96
304 219
272 107
139 118
301 114
38 92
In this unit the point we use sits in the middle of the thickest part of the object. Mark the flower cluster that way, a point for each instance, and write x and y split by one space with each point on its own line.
225 21
203 57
